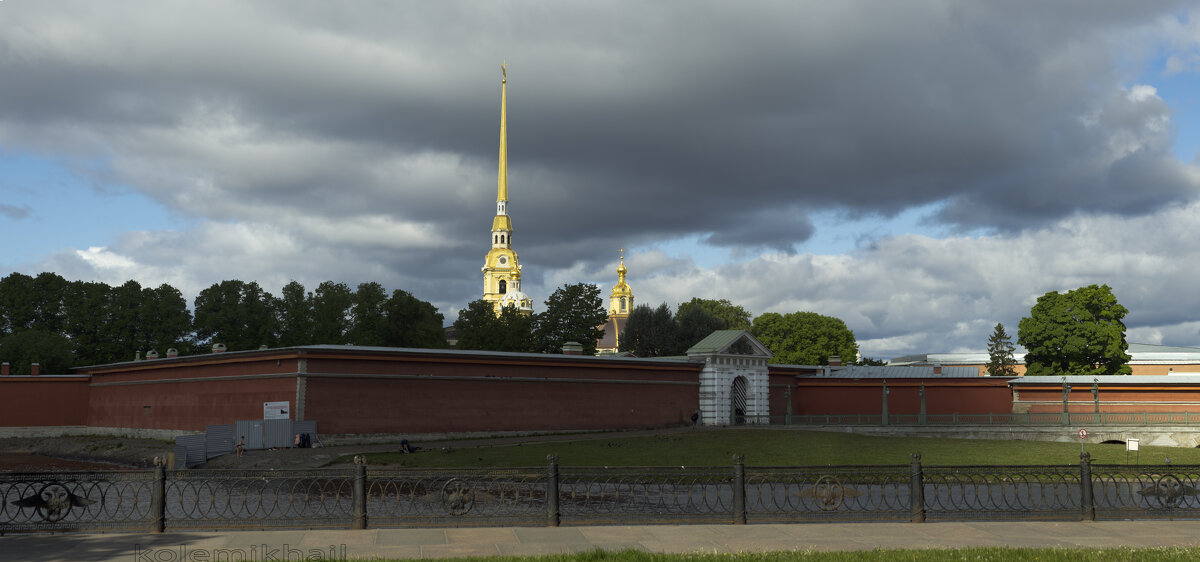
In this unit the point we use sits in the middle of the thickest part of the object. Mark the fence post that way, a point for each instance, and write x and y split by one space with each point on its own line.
917 490
1087 503
739 490
360 492
553 517
158 496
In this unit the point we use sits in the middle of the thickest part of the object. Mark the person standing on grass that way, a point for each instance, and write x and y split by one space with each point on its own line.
241 446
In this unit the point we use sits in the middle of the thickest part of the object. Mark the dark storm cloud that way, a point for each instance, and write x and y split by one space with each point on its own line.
368 133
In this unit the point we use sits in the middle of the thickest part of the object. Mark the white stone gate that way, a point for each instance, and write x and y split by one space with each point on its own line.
734 378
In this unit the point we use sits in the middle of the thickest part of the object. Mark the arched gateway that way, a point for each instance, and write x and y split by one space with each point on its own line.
734 378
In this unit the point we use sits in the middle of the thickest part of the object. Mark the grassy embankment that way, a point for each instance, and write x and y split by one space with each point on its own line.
764 447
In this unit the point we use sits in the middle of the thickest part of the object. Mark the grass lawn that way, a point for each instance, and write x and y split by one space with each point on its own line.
941 555
777 447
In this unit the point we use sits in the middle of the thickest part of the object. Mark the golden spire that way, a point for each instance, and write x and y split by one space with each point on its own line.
502 178
621 269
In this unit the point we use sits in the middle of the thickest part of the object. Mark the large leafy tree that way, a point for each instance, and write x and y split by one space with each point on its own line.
411 322
1079 332
52 352
732 316
17 308
572 313
368 315
693 324
805 338
478 327
331 304
238 314
1000 354
87 319
650 332
294 308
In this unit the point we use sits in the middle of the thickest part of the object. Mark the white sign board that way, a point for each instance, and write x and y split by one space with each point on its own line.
277 410
1132 444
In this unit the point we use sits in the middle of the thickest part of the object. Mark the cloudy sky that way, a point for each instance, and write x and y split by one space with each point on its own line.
920 169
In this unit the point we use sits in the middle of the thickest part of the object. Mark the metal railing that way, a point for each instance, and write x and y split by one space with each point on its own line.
359 498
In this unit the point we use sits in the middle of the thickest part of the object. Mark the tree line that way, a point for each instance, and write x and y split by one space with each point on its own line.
60 324
797 338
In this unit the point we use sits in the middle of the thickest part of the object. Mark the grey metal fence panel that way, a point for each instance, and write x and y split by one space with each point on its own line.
219 440
306 426
277 434
193 453
180 456
252 430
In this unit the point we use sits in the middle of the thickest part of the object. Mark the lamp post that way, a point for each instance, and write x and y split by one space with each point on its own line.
1066 401
886 391
921 418
1096 395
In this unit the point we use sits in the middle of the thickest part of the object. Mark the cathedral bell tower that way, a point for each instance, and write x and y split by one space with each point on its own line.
620 304
501 272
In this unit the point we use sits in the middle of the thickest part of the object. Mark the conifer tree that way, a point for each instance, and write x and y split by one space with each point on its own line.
1000 354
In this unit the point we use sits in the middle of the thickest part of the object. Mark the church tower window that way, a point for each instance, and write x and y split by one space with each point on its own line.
503 286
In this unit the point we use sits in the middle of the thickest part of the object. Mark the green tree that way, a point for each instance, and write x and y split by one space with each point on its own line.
368 315
572 313
1079 332
48 312
479 327
238 314
805 338
52 351
17 309
650 332
1000 354
294 307
733 317
87 316
411 322
693 323
871 362
331 304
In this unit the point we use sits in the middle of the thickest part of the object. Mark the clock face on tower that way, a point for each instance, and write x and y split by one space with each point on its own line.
503 261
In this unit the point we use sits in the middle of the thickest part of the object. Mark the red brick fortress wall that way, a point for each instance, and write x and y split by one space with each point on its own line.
47 400
447 394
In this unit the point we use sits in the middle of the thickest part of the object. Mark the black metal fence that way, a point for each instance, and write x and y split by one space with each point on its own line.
552 495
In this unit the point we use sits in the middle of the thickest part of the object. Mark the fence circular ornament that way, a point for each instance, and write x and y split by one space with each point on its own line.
458 497
828 493
53 502
1170 490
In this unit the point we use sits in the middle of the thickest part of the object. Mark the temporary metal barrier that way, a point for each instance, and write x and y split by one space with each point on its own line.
218 440
277 434
358 498
190 450
252 430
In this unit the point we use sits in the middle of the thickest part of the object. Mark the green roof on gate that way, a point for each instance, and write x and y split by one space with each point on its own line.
720 340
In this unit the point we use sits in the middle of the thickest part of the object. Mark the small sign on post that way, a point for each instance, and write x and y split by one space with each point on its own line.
1082 437
1132 445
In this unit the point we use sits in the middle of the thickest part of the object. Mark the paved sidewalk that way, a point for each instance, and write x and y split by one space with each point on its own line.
259 546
